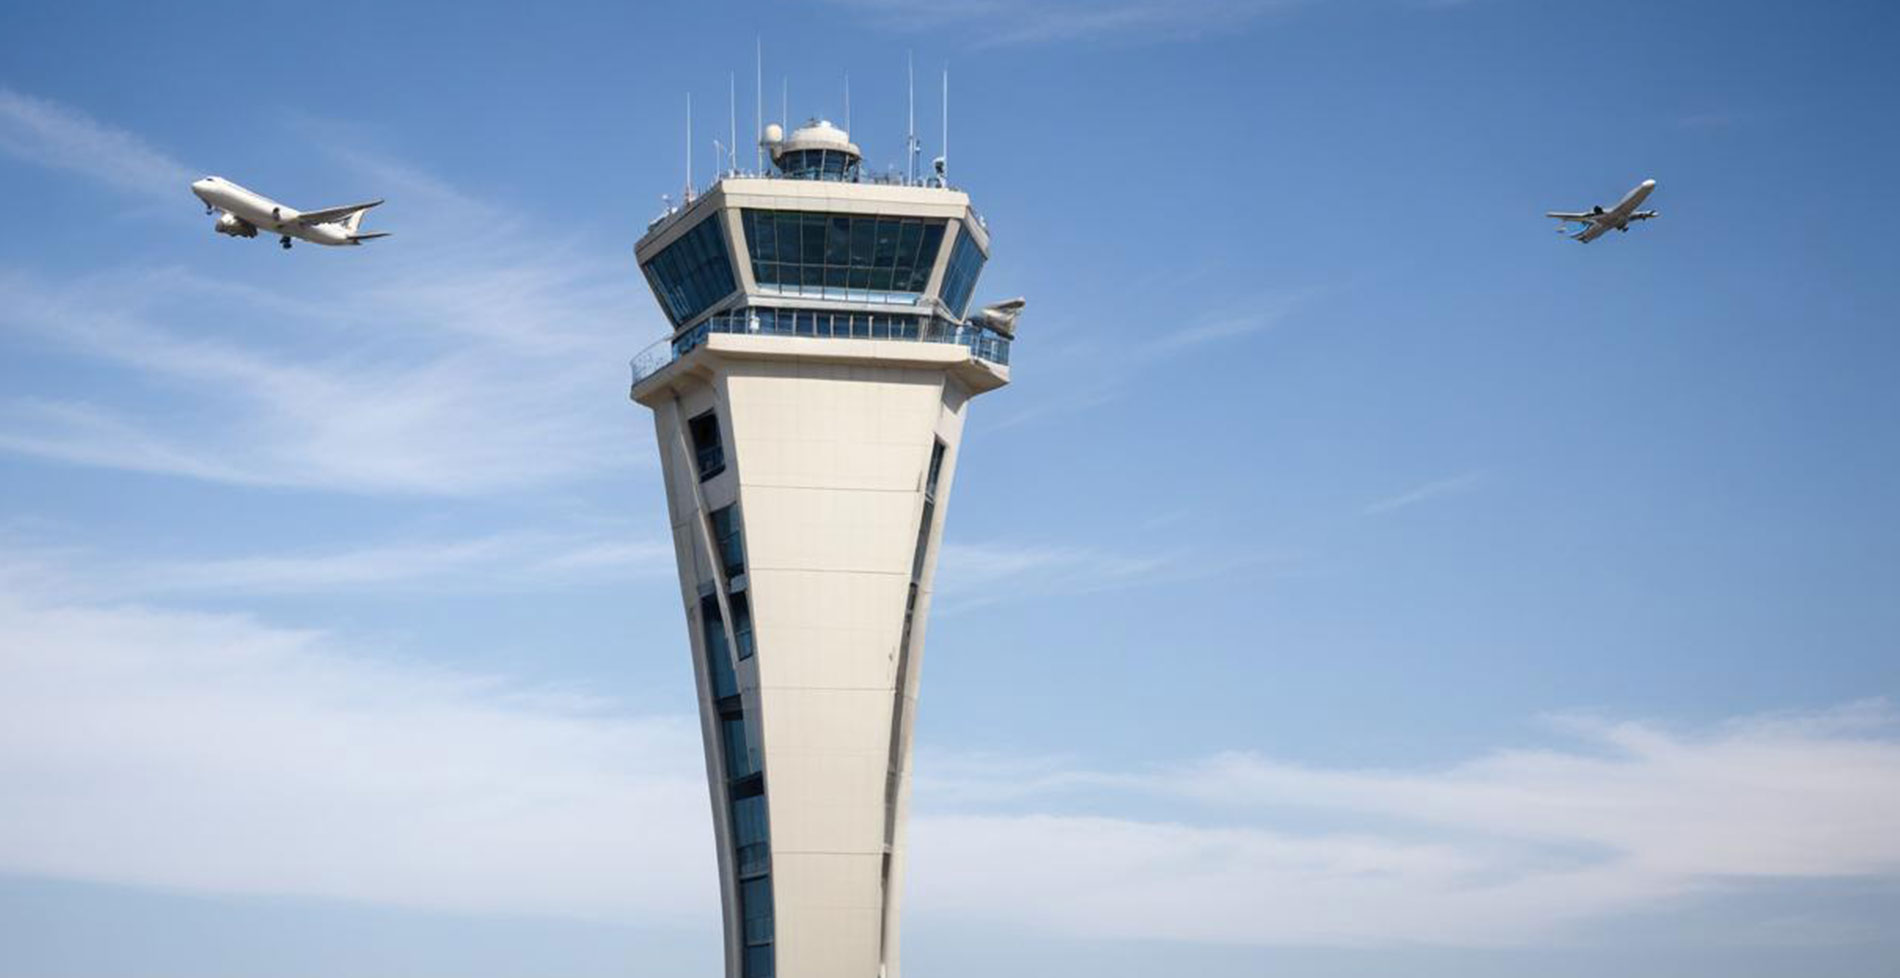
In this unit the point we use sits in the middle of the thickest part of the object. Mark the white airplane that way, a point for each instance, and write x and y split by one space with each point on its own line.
1598 221
245 211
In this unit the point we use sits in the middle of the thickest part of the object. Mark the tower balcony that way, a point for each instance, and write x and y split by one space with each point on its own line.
824 334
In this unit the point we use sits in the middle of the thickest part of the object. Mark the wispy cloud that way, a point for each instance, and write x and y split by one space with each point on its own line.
475 355
51 134
220 753
1515 847
214 753
508 562
1435 489
998 23
416 418
1098 375
972 574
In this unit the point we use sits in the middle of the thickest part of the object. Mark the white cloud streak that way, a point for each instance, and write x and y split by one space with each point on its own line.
1436 489
213 753
61 137
974 574
476 355
1513 848
218 753
423 417
506 562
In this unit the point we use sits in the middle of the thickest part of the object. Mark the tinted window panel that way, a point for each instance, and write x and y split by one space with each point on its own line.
832 255
693 272
959 279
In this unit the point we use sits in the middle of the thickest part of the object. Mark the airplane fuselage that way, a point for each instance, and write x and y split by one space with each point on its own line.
260 213
1620 214
1597 221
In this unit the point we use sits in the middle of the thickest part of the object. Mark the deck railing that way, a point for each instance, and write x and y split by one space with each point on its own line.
822 324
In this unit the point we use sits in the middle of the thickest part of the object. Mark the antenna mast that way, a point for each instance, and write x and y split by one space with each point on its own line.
689 147
758 114
944 171
910 130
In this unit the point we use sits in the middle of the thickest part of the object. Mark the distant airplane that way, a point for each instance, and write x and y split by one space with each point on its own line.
245 211
1600 221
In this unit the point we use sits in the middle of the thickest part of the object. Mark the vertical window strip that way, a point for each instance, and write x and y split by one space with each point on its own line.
718 655
709 447
729 541
741 623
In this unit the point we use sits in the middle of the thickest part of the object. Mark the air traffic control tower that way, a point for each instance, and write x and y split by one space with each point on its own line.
809 407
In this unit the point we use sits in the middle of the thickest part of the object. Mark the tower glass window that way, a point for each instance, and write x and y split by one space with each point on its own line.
819 164
758 961
751 847
936 469
856 257
718 654
693 272
739 764
741 623
709 447
959 280
755 908
729 542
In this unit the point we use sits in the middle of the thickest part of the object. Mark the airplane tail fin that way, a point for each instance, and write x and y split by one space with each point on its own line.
351 223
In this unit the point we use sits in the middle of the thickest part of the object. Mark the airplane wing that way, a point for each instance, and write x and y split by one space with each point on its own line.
1591 233
1567 216
332 214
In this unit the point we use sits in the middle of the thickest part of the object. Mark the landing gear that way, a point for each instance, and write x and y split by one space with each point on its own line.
285 241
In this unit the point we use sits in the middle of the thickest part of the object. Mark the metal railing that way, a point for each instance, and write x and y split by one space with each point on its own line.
823 324
889 178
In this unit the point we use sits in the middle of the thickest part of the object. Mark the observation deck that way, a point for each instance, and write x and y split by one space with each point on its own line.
818 249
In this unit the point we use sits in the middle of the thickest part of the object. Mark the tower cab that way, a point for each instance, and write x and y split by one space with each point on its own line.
819 247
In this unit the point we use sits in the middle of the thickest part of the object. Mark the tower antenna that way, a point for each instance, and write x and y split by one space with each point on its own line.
943 170
689 147
910 129
758 114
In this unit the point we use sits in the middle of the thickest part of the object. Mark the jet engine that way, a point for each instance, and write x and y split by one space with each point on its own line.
235 226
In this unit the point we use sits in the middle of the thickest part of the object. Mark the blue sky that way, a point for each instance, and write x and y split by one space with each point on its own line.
1357 578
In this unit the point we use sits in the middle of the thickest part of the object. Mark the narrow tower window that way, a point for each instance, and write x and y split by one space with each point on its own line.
750 846
741 623
718 653
732 730
731 545
709 448
936 469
